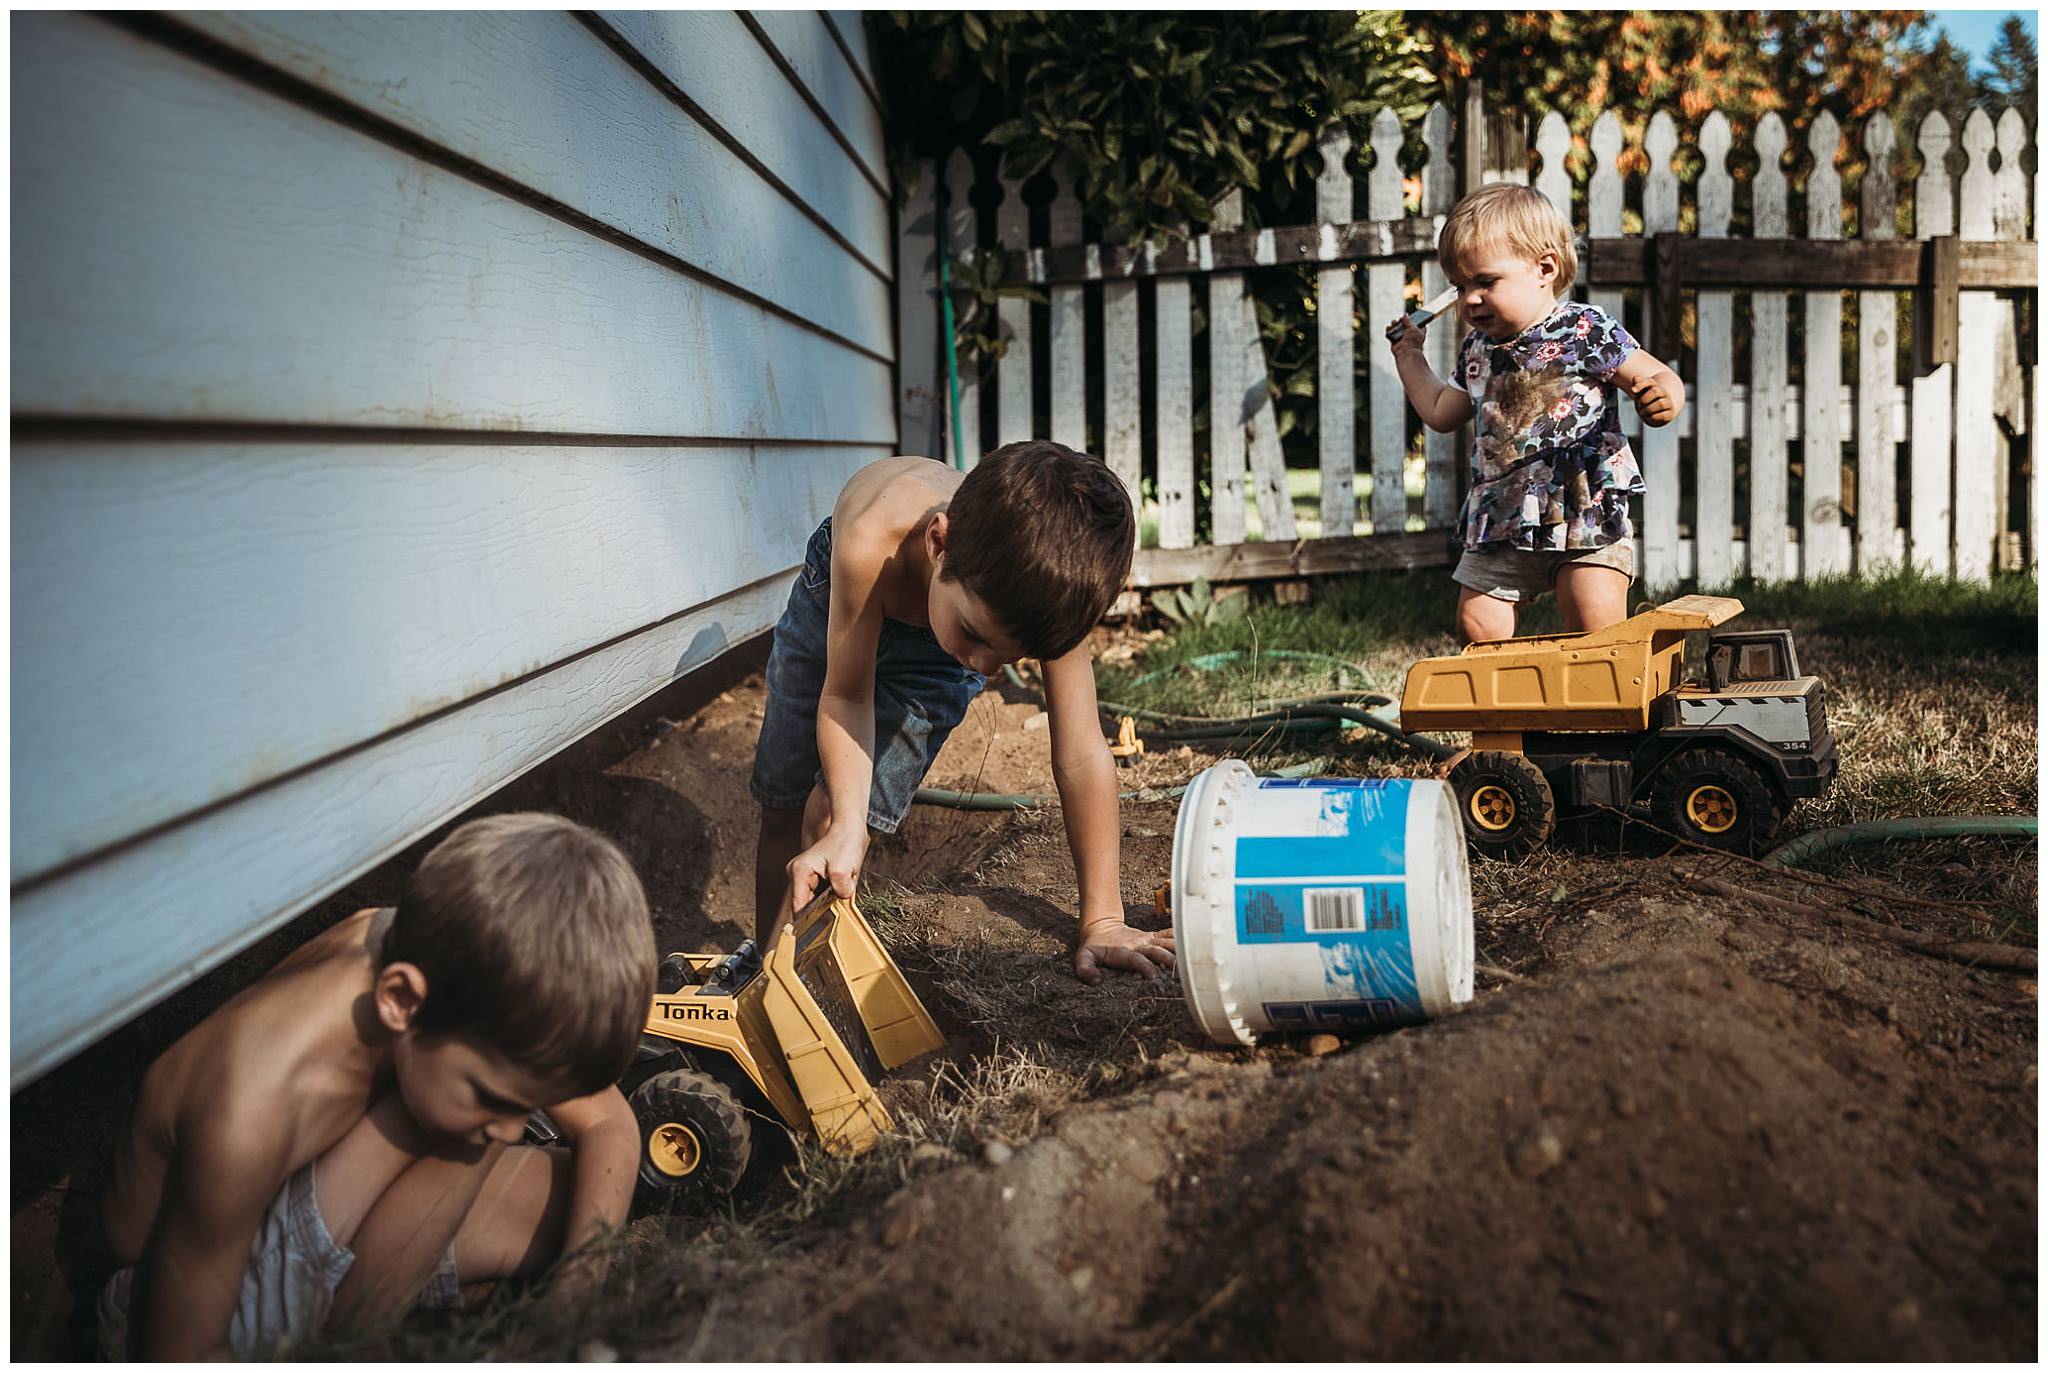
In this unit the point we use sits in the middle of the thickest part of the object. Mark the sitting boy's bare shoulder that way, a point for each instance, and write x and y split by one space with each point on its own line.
273 1055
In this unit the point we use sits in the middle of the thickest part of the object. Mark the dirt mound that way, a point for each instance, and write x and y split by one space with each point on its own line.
1702 1136
1670 1126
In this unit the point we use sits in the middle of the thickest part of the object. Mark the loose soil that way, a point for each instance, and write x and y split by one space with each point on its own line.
1668 1126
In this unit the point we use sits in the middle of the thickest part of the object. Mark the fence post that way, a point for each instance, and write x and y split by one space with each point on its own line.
1821 543
1336 403
920 371
1384 298
1227 388
1769 486
1013 368
1068 323
1713 400
1877 331
1472 138
1174 384
1977 437
1262 432
961 242
1439 192
1660 444
2009 403
1933 386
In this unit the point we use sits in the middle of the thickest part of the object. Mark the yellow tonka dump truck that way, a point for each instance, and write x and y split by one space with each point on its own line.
1574 723
797 1037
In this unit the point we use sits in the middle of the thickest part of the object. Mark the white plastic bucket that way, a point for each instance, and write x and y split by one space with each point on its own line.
1318 903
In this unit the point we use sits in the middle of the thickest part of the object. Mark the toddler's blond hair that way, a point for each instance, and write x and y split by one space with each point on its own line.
1518 218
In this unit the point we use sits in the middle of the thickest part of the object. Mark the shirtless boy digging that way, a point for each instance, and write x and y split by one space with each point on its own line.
340 1139
921 583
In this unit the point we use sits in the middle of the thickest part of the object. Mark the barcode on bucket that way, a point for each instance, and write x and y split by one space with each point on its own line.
1329 910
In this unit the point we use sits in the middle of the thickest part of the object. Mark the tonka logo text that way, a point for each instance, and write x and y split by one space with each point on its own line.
694 1010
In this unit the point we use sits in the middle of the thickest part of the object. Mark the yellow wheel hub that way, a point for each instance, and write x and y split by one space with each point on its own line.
1712 808
675 1149
1493 807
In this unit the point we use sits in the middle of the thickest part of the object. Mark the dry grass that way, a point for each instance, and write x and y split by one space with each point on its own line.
1933 701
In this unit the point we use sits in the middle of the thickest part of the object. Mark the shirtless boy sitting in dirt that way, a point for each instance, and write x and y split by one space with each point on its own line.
920 583
337 1138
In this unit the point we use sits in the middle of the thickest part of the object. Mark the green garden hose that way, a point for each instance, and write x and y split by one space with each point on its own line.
1317 714
1795 853
1283 715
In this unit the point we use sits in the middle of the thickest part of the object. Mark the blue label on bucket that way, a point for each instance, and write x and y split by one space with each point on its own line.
1344 888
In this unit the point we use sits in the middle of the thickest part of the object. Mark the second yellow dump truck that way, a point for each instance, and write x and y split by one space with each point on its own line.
1565 723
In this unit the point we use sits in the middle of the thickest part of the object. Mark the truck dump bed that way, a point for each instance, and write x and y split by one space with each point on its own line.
1603 681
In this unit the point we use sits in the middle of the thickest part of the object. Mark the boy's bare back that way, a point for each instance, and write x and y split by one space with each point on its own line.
268 1083
880 509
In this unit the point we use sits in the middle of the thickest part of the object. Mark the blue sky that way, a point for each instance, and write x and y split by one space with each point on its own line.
1975 31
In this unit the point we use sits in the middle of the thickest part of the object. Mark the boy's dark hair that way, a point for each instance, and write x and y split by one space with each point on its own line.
534 937
1043 535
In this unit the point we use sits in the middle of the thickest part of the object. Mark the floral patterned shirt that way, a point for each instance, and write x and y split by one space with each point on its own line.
1550 466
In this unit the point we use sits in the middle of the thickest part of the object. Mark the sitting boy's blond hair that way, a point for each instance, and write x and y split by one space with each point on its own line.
534 936
1519 218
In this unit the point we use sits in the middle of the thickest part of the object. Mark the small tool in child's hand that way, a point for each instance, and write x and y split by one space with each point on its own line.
1429 310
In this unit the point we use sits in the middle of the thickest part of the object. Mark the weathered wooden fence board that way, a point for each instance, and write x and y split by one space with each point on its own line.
1821 534
1877 319
1933 402
1386 402
1174 385
1977 436
1713 400
1013 368
1336 406
287 237
1658 445
1227 383
1068 321
1769 475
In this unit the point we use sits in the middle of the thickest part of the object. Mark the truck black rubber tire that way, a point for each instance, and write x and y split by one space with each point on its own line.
1504 802
694 1138
1717 798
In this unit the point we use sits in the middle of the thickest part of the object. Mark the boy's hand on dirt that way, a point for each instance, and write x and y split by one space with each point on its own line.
836 859
1113 944
1653 400
1410 337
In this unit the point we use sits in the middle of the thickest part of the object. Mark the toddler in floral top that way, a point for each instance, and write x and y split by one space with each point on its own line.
1551 470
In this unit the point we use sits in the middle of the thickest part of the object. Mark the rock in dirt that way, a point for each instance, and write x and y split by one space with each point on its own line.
997 1153
929 1152
1535 1152
1648 1204
1318 1045
596 1351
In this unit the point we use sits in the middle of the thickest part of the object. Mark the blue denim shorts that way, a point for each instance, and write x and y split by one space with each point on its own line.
921 692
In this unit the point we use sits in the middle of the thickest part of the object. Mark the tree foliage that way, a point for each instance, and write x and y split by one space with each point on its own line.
2015 76
1155 114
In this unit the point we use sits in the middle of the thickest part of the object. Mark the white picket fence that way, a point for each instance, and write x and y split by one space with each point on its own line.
1950 516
